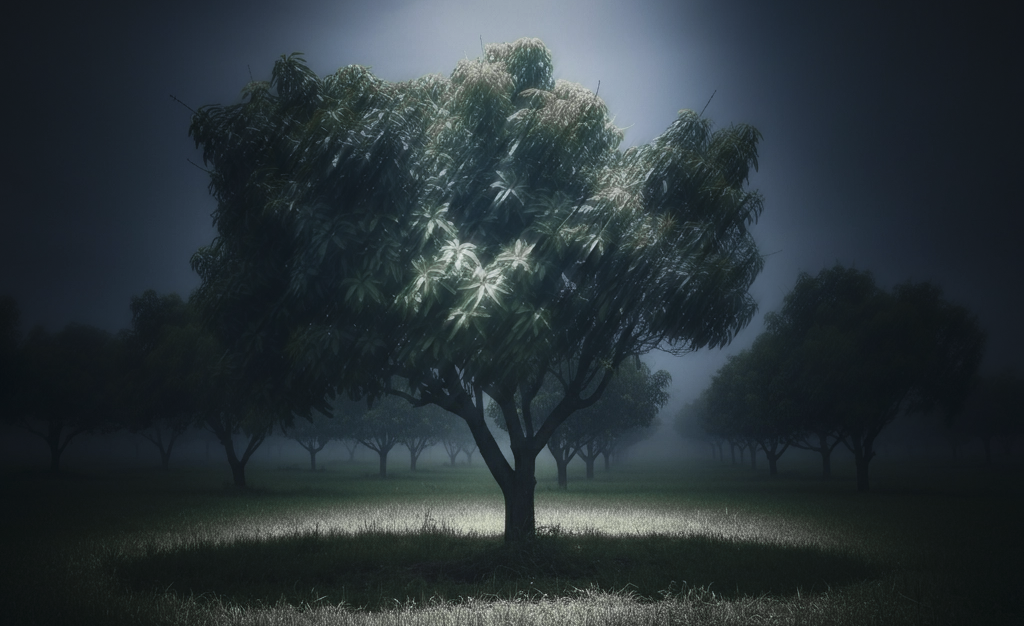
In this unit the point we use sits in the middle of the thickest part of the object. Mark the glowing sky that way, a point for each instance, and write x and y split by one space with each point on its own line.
890 133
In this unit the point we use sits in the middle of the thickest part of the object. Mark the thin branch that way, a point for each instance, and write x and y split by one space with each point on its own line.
708 102
194 112
200 166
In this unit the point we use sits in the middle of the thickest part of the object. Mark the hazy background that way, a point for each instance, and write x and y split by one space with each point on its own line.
891 132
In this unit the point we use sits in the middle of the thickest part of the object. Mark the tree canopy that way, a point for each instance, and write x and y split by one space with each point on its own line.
844 358
65 385
472 234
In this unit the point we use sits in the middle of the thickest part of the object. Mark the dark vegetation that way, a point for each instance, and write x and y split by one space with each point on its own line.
842 361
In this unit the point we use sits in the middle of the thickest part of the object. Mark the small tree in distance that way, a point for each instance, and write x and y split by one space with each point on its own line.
424 427
455 437
625 413
314 433
64 385
154 399
844 358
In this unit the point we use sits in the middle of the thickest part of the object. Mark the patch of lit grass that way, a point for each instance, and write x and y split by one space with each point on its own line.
374 569
697 544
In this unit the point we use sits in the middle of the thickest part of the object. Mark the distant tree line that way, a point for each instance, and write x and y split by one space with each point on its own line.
167 374
840 362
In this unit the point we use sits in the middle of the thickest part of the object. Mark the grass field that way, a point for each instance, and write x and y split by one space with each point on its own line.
697 543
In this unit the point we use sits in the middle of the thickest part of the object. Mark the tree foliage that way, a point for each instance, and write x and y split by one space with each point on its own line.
155 400
65 385
749 400
315 432
473 234
843 359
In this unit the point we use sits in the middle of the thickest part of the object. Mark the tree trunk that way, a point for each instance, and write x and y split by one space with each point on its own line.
826 454
773 460
753 456
383 454
312 458
165 459
237 472
237 466
732 450
562 463
413 455
607 459
862 455
862 473
520 521
589 455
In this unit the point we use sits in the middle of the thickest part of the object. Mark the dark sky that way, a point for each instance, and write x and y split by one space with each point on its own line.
892 138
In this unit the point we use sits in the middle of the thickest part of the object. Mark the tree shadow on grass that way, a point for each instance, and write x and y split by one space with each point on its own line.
372 570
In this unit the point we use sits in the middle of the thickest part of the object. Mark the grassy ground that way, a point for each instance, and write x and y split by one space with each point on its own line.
691 543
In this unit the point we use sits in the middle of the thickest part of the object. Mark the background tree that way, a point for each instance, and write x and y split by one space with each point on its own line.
474 235
772 414
746 400
994 411
424 427
625 413
916 353
455 437
65 385
201 380
618 444
380 428
315 433
689 424
232 411
859 357
621 417
817 374
154 394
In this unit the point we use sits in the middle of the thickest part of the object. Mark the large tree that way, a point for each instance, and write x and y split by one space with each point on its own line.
474 235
